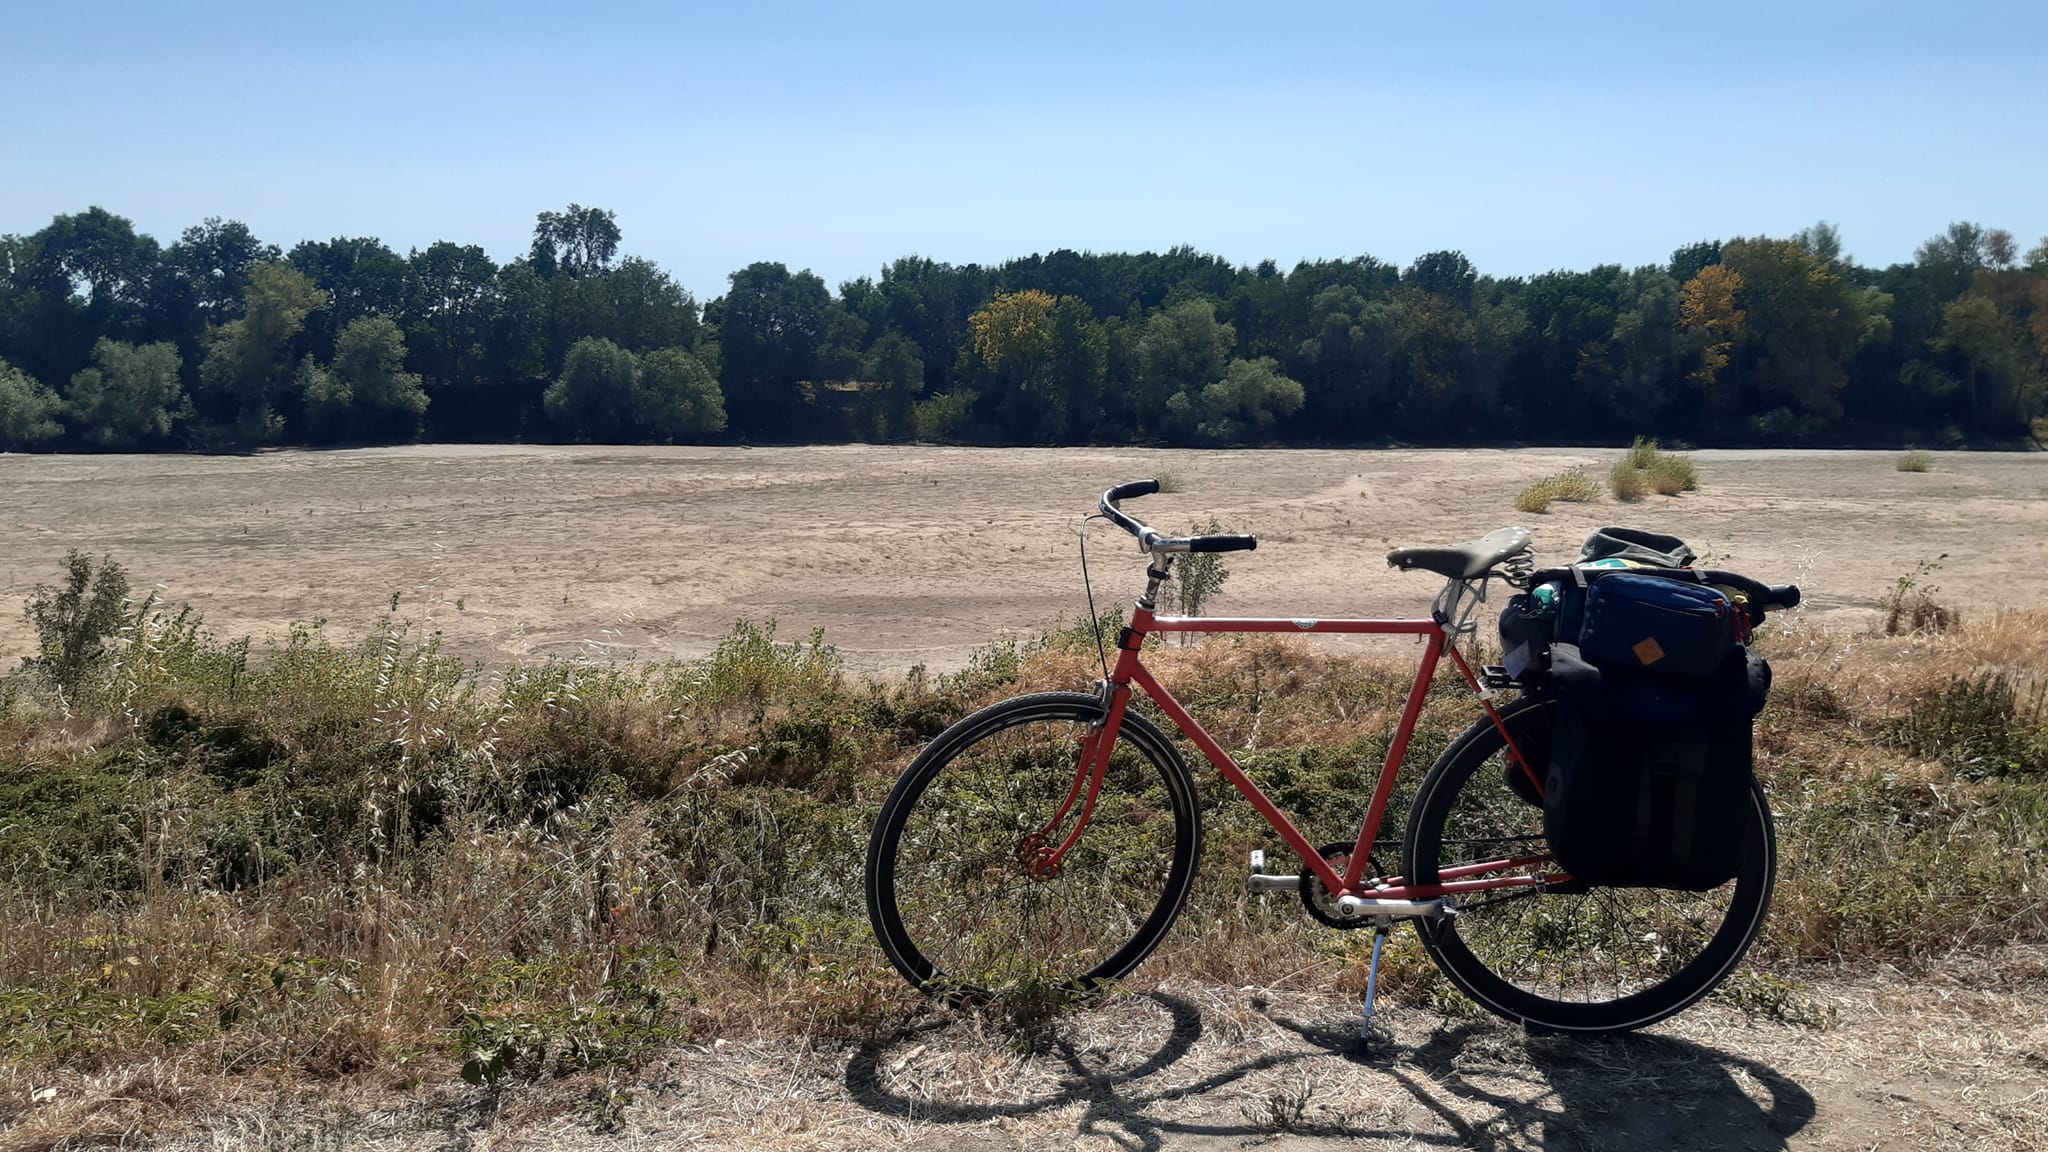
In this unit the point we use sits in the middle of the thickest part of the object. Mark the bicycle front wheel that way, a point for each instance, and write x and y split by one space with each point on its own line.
951 898
1569 958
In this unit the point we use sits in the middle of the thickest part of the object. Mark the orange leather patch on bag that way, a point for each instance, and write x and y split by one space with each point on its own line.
1648 651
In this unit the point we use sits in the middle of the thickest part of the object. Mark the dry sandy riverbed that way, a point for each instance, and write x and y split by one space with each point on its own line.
909 554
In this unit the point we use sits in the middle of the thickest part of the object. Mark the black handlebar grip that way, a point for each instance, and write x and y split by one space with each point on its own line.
1785 595
1223 543
1134 488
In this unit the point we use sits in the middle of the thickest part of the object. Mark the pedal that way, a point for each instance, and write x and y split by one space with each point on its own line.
1495 678
1261 882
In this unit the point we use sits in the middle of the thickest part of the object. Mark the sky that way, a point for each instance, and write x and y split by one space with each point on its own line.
837 136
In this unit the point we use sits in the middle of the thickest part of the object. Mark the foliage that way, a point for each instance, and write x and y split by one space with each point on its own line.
78 624
594 398
1915 462
1198 575
1648 468
1910 606
27 411
1978 727
1571 486
1770 340
132 395
676 398
248 359
1627 481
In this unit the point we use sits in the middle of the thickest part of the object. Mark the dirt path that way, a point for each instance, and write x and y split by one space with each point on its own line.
1889 1065
921 554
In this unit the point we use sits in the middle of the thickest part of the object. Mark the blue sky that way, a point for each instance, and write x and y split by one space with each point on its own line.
831 136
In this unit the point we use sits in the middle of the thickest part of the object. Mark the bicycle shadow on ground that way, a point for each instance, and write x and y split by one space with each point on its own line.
1484 1085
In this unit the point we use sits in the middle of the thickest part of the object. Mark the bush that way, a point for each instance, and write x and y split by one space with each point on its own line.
1647 468
1670 475
1642 454
1627 481
1916 462
1198 575
1911 606
76 624
1571 486
1536 497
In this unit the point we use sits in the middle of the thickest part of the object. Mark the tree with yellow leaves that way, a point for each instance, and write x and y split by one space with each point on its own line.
1706 308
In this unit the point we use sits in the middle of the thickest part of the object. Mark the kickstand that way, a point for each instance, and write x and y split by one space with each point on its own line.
1372 985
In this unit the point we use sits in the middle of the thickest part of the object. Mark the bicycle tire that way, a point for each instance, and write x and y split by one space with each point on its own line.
1568 959
948 894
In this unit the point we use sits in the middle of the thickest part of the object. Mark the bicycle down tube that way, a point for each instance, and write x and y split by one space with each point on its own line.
1130 670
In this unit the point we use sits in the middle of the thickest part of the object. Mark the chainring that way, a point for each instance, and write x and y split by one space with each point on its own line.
1316 895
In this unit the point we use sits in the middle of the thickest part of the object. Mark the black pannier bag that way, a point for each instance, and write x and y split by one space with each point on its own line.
1648 773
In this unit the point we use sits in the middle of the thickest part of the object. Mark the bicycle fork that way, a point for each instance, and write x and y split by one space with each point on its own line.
1040 857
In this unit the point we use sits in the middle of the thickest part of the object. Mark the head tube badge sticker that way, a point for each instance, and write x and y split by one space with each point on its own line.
1648 650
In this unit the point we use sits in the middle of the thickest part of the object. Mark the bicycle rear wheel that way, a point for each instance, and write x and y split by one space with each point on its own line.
1566 958
952 902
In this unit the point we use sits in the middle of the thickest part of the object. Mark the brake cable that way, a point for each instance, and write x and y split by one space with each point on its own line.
1094 621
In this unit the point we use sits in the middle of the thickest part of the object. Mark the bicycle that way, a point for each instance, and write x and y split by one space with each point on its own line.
974 890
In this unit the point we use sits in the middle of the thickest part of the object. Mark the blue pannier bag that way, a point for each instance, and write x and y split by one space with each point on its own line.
1656 624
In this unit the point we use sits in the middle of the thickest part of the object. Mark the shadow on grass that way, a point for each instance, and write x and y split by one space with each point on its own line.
1489 1086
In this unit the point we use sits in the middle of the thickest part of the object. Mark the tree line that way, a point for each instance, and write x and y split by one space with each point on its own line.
112 341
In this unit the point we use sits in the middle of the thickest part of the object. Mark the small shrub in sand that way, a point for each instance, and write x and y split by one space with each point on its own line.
1916 462
1627 481
1670 475
1648 468
1536 497
1568 487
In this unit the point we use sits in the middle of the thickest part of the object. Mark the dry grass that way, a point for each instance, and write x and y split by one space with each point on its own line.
378 867
1571 486
1915 462
1648 468
1627 482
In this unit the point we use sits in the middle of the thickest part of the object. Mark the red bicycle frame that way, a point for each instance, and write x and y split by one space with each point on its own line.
1130 669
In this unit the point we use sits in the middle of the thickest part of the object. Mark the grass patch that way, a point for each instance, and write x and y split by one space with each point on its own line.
1627 482
1915 462
1572 486
1648 468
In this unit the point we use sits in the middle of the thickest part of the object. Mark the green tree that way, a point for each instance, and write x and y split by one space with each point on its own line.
248 365
1245 405
361 277
211 265
771 325
595 399
1344 362
130 397
328 403
452 299
28 411
676 398
382 402
1183 349
1801 326
87 275
2002 389
576 241
1446 274
896 366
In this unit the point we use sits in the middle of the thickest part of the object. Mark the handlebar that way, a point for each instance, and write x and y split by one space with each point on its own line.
1152 541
